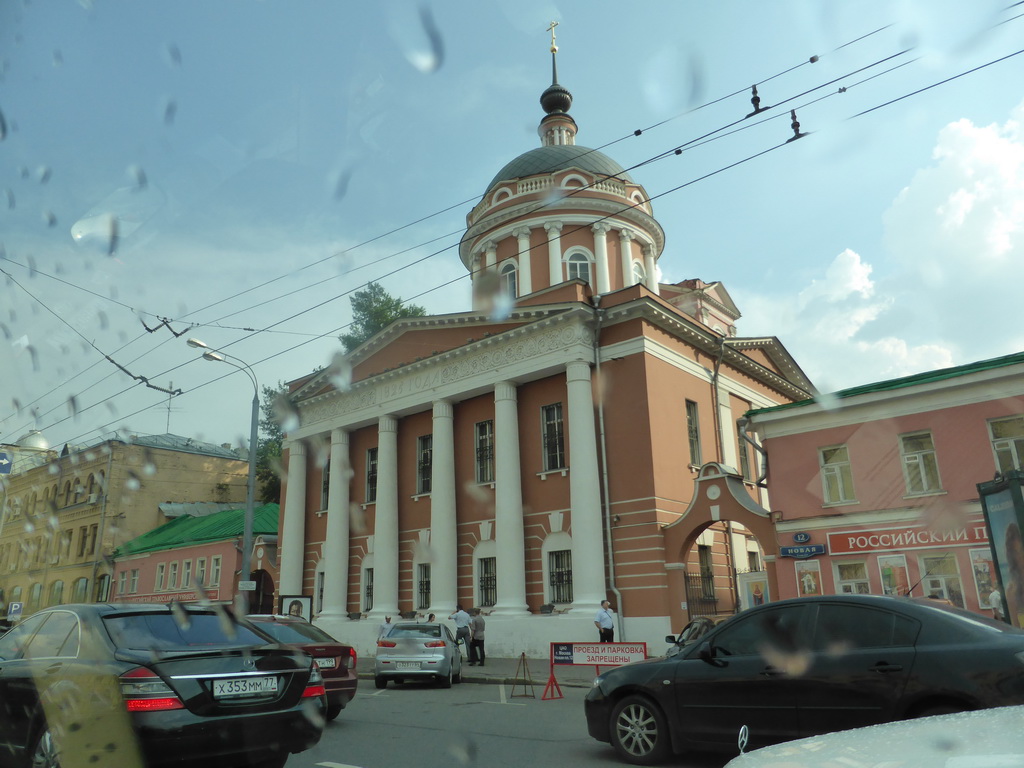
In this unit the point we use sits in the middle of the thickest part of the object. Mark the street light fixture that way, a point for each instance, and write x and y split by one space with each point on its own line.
250 490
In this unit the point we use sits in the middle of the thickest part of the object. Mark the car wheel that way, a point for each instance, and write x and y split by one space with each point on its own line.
457 676
446 680
333 710
44 752
380 682
639 733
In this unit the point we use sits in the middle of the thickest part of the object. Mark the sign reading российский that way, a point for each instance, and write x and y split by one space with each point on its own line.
907 537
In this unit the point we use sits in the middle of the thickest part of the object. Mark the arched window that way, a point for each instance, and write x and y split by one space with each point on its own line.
639 275
16 595
35 594
577 266
509 280
80 590
66 496
56 593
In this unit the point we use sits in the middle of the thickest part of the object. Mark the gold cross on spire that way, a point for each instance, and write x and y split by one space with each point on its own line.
551 29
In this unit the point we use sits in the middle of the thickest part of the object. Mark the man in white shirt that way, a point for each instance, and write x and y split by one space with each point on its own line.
605 625
384 628
461 619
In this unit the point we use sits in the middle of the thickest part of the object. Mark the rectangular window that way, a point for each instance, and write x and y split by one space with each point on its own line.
186 574
134 584
367 589
836 475
707 571
424 462
93 530
693 432
487 584
201 571
485 451
423 585
942 578
371 475
753 560
560 575
172 576
325 486
122 583
920 467
215 571
743 451
83 540
161 571
1008 442
852 579
554 437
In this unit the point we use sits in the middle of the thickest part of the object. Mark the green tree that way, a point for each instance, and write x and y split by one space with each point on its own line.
374 309
268 450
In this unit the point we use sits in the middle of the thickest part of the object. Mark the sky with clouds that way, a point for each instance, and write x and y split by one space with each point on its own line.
234 171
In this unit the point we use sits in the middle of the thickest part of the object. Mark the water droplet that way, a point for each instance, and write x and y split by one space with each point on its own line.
132 483
181 617
340 372
10 199
73 406
428 61
173 54
285 413
170 111
44 172
357 518
3 126
58 58
138 177
50 218
340 184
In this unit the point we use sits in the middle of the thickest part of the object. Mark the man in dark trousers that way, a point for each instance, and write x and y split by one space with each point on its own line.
476 639
605 625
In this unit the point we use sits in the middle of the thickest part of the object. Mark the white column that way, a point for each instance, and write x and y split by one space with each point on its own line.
525 279
490 255
385 521
443 528
625 237
554 230
508 504
476 274
336 546
588 570
651 268
600 231
293 527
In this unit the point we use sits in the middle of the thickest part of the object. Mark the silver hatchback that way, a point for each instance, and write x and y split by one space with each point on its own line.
413 651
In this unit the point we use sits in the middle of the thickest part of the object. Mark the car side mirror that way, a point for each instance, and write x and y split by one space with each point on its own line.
707 655
670 639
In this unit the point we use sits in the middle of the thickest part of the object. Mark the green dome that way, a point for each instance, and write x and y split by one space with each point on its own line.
558 158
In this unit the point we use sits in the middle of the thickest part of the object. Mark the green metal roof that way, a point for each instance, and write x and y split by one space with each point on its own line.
188 531
916 379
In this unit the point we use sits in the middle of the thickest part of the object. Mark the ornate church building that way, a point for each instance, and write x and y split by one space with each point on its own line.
561 443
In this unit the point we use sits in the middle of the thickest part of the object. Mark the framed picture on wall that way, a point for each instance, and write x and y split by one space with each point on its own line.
297 605
753 588
808 577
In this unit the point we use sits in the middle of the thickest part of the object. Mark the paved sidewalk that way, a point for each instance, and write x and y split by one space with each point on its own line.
513 672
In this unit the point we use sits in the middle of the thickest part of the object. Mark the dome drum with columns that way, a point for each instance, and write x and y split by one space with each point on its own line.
528 464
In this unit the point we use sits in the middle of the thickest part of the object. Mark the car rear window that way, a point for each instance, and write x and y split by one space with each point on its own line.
166 632
294 632
415 630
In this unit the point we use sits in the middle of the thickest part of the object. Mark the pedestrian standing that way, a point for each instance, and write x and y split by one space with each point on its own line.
461 619
476 639
605 625
384 628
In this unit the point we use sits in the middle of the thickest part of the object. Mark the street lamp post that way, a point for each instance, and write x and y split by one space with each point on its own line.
250 490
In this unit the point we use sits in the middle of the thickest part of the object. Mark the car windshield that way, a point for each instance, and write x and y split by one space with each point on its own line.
293 631
166 632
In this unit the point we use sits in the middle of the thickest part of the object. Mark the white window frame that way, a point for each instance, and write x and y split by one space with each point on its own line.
483 442
186 574
215 571
939 583
424 463
552 430
576 262
161 575
122 582
920 465
134 584
1010 447
201 571
172 576
839 472
693 433
508 279
372 455
849 586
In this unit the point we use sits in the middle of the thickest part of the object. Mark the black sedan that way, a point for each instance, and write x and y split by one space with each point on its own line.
152 685
804 667
337 660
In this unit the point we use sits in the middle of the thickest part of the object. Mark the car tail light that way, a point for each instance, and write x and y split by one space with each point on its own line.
435 644
315 684
386 643
144 691
352 658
